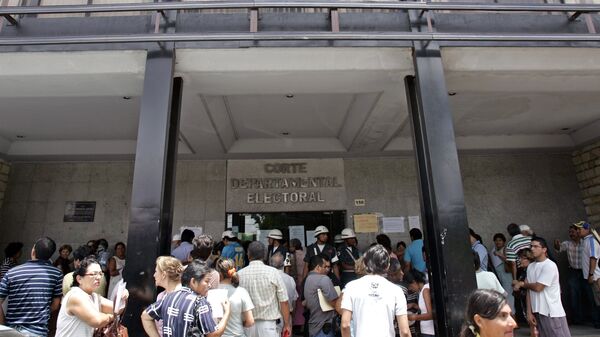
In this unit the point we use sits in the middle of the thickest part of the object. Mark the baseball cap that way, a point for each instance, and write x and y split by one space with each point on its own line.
228 234
524 228
582 224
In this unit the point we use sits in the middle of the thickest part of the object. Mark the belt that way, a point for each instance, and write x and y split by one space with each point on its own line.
277 321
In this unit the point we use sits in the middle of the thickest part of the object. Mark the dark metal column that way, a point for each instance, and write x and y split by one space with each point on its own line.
452 276
153 182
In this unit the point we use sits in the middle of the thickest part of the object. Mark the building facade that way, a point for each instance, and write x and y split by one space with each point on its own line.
132 120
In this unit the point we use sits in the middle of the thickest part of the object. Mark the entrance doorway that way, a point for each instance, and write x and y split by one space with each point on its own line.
335 221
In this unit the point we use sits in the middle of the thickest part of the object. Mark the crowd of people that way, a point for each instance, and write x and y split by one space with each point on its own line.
322 290
67 297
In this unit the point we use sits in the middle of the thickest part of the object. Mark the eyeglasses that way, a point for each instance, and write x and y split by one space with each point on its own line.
98 274
327 266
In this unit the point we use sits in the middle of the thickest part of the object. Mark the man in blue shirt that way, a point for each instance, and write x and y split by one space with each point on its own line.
35 289
182 252
479 248
413 256
233 250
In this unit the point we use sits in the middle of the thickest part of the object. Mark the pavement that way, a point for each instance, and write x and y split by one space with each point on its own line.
576 331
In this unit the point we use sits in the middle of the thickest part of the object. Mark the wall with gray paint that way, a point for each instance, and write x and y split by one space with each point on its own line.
540 190
536 189
36 195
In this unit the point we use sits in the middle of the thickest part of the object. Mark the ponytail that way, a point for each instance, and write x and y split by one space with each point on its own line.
226 270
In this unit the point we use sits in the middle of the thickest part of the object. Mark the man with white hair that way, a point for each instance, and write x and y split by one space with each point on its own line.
277 261
526 230
268 293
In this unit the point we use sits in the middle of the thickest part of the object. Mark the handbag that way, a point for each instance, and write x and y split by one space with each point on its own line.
112 329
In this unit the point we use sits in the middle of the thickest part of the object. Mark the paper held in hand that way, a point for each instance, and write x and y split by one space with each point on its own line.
323 302
216 297
119 304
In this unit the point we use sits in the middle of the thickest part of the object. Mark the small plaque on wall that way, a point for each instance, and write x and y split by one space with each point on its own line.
79 211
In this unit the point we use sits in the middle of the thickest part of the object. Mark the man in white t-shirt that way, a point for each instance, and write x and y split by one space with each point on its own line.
371 302
544 307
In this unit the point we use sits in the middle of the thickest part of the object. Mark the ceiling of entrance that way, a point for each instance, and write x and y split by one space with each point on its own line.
296 102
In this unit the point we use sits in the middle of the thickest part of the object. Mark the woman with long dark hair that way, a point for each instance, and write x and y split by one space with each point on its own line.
487 315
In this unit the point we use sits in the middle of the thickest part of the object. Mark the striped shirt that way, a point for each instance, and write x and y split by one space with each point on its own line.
590 249
31 288
514 246
6 265
573 250
176 310
266 289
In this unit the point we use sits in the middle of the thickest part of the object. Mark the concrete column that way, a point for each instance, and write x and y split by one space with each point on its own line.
451 271
153 182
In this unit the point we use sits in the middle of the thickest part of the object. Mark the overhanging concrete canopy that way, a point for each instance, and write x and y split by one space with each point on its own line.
296 102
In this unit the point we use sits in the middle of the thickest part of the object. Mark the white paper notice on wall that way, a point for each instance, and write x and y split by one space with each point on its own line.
250 229
197 230
261 235
414 222
297 232
310 237
393 224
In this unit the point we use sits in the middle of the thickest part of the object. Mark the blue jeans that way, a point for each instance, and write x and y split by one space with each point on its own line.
322 334
24 332
589 293
576 284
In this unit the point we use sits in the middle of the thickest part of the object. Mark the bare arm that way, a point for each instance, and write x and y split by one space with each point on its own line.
106 305
593 263
112 267
2 312
403 327
85 311
345 325
512 265
285 315
149 326
248 318
429 315
55 304
338 305
530 316
537 287
305 272
336 270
